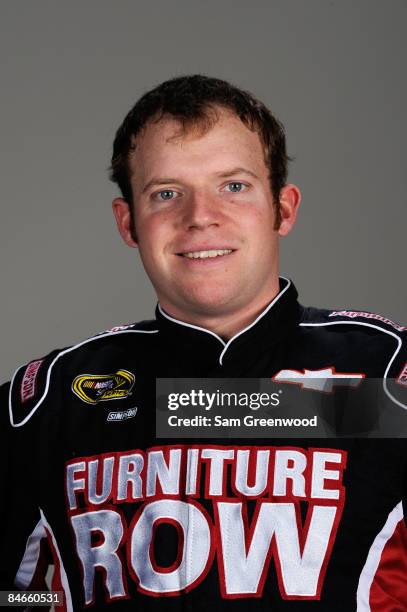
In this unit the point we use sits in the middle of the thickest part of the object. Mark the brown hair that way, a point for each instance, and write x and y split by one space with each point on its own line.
193 100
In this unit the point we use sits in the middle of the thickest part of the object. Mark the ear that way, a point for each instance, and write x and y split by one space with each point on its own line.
123 216
290 198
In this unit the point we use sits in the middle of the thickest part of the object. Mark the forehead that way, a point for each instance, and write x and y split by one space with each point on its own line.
163 147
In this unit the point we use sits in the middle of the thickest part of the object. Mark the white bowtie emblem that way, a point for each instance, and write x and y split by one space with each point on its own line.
319 380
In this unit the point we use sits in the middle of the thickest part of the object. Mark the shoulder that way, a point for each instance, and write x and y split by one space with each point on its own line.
352 319
360 341
32 382
369 337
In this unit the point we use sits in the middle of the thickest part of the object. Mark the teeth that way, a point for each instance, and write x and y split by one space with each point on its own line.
206 254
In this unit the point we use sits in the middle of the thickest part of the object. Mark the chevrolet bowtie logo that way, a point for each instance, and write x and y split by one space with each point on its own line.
319 380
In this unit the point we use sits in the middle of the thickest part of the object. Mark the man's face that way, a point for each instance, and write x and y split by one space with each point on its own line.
204 218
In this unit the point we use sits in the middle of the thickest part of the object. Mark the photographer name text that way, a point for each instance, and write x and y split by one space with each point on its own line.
247 421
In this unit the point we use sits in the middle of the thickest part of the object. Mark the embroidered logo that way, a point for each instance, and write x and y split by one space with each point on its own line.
402 377
352 314
319 380
95 388
121 415
29 380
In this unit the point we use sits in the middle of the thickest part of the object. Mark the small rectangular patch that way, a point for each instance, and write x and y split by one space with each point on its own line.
402 377
29 379
122 415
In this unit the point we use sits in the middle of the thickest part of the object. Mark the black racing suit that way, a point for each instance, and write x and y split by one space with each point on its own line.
135 522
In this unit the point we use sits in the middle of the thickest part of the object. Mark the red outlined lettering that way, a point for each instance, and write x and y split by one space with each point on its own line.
165 483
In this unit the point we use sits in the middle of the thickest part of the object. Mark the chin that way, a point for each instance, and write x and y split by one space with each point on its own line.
211 304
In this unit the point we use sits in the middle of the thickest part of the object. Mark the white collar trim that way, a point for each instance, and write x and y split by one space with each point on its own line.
245 329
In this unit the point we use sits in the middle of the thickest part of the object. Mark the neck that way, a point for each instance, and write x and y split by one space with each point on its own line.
226 325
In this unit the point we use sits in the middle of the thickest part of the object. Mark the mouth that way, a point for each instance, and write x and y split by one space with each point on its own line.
208 254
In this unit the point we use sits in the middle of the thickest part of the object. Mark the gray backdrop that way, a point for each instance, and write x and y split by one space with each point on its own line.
332 70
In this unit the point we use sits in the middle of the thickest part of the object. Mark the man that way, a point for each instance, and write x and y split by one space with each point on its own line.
135 522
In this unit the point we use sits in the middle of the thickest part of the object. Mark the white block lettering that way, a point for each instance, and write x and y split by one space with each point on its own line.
108 523
320 474
130 467
283 472
260 471
195 551
216 473
168 475
74 484
104 469
244 571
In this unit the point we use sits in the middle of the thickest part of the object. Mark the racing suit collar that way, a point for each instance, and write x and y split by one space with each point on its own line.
266 330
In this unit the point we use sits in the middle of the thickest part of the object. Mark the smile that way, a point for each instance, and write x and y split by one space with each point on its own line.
206 254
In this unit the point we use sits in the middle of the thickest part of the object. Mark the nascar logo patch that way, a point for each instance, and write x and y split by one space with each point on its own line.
95 388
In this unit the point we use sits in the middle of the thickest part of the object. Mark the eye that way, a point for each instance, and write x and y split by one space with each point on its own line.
165 194
235 187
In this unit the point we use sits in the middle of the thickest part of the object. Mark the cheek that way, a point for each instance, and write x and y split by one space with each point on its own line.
153 237
260 235
149 232
258 221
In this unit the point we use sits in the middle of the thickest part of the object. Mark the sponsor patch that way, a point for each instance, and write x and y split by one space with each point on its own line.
352 314
95 388
121 415
29 380
402 377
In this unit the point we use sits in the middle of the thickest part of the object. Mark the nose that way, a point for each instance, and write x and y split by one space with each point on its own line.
201 210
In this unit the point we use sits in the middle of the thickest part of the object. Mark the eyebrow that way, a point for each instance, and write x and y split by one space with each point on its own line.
223 174
158 181
234 171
